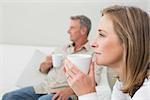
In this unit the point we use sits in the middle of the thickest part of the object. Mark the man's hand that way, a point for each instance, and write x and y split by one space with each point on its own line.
46 65
62 94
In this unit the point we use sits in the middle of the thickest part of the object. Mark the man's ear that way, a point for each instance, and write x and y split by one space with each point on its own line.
83 30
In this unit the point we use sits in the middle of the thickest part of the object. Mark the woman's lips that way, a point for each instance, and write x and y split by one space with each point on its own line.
97 53
94 56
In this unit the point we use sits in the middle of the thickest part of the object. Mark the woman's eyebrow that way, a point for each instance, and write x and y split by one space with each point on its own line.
100 30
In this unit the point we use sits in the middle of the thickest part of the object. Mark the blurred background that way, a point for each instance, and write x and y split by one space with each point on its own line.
45 22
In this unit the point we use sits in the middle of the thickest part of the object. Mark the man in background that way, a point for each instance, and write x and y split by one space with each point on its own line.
55 85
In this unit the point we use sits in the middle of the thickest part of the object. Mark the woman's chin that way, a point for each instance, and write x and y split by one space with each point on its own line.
98 62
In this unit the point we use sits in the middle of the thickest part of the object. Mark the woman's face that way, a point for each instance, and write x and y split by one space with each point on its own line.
107 46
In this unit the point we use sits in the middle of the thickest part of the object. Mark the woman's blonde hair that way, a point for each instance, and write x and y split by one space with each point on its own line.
132 25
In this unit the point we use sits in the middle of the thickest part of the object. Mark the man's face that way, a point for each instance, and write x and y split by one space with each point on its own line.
74 30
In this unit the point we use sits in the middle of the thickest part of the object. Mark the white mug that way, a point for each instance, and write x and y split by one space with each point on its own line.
57 60
82 61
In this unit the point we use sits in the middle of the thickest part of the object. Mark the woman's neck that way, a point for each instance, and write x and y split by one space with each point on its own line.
119 73
118 68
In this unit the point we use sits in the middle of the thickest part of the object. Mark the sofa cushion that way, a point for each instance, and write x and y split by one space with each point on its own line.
31 74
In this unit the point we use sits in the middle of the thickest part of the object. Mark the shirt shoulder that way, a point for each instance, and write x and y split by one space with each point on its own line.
117 93
143 92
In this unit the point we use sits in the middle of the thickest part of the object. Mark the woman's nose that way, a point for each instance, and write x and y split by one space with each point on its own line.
94 44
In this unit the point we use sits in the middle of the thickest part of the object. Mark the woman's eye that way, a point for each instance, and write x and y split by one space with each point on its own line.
101 35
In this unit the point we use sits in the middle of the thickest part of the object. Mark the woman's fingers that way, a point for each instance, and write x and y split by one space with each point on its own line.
91 74
71 72
91 71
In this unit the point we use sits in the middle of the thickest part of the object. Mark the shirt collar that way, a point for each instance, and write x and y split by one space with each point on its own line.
85 46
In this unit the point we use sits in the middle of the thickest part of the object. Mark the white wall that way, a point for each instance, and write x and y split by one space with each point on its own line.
1 12
45 22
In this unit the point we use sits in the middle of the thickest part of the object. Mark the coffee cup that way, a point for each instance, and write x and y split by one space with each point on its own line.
57 60
82 61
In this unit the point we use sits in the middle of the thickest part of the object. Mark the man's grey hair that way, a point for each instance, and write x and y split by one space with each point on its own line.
84 21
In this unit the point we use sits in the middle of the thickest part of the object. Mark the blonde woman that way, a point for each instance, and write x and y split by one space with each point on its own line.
122 43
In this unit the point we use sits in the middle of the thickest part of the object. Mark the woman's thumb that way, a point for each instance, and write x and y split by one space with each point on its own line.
91 73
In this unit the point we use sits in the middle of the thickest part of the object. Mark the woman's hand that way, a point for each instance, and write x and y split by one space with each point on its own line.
78 81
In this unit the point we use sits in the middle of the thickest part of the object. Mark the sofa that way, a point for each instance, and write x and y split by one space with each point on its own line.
19 66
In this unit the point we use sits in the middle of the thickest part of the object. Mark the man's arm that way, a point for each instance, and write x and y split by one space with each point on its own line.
46 65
